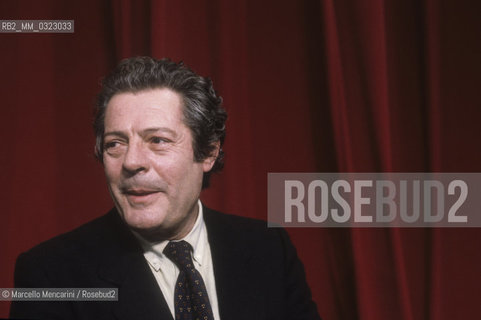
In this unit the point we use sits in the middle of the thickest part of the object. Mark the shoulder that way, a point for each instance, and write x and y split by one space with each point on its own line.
235 221
237 224
88 240
249 233
266 261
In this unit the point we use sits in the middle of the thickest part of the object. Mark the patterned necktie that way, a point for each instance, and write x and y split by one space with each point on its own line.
190 295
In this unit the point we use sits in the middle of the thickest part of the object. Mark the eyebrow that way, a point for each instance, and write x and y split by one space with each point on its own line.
143 132
115 133
157 129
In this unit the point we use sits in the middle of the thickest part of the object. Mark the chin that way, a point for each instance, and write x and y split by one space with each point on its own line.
153 230
143 220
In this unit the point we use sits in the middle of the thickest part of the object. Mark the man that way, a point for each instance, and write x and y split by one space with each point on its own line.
159 134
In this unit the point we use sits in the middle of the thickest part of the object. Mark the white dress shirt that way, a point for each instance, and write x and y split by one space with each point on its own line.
166 272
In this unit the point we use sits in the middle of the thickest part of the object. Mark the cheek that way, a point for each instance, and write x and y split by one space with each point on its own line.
169 170
179 171
111 171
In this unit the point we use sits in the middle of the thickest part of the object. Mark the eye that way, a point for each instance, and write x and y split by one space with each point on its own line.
157 140
114 147
159 143
111 144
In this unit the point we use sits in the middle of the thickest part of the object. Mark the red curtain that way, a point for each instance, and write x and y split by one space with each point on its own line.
310 86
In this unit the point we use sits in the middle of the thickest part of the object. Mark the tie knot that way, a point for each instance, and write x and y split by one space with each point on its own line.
180 253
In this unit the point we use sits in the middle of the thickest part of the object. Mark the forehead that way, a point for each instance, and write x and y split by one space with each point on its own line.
131 110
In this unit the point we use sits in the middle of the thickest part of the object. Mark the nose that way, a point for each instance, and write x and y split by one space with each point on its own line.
135 159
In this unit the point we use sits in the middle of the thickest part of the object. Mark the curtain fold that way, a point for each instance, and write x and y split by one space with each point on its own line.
309 86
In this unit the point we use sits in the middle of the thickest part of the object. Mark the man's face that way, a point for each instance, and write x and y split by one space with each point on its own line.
149 163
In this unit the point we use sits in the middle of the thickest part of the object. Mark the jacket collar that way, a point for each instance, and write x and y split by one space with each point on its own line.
124 267
232 267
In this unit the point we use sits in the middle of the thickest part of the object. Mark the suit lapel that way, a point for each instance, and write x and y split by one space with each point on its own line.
232 270
139 294
124 267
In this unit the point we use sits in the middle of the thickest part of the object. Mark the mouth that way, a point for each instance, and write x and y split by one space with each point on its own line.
137 196
139 192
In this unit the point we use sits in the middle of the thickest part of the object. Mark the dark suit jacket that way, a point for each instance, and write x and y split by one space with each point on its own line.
257 272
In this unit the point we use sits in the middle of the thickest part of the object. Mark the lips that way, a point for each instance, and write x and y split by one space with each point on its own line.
140 196
139 192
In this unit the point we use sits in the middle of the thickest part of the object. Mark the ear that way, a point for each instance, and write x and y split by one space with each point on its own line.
208 162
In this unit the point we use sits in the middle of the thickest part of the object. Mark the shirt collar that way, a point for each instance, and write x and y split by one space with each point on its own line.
197 238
